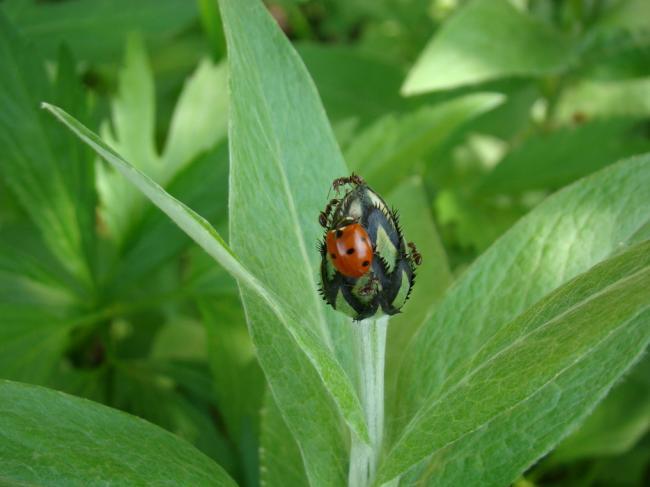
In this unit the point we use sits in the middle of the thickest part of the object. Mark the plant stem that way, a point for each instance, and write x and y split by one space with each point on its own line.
370 342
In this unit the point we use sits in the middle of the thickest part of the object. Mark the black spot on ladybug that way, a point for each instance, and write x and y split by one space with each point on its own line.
365 263
339 233
333 256
350 251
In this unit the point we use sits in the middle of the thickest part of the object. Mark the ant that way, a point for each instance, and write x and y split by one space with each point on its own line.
371 287
324 216
415 255
352 179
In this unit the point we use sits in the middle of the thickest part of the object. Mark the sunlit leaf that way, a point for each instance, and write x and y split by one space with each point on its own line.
327 370
486 40
283 160
534 367
563 237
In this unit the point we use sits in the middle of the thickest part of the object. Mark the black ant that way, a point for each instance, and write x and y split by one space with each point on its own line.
415 255
371 287
351 179
324 216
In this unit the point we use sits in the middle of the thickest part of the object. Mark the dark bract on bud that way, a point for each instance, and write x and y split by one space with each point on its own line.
366 265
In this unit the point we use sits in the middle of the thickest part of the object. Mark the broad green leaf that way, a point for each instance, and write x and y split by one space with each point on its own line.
326 368
602 314
280 460
49 174
96 30
487 40
551 160
617 424
391 148
561 238
564 236
283 160
90 443
560 407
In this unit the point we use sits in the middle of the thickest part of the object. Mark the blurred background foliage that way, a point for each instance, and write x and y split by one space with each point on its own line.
467 113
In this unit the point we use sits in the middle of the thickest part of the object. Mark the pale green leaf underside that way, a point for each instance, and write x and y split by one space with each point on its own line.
618 423
561 238
283 160
203 234
532 354
47 438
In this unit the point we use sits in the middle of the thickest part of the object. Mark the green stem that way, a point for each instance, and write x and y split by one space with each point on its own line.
370 341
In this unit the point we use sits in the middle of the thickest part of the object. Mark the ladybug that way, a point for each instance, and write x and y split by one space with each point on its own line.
350 249
366 265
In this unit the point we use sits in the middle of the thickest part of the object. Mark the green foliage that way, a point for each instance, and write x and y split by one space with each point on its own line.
510 136
116 447
486 40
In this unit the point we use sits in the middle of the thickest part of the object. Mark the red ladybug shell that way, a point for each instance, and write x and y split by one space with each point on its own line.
350 249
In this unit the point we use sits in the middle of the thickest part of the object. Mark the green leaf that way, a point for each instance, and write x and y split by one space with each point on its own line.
49 174
617 424
326 368
487 40
551 160
563 237
283 160
390 149
96 30
542 354
90 443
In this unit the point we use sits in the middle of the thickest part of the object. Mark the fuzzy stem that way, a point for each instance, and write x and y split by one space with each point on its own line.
370 341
